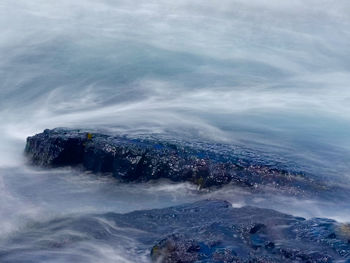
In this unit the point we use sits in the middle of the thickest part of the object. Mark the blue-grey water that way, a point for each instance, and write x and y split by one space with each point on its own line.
269 77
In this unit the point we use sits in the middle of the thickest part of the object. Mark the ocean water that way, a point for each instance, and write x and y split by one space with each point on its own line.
270 77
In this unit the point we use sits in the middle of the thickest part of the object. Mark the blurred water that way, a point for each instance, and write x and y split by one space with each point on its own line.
269 76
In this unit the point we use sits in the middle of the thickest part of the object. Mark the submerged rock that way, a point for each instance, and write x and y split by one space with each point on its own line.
202 232
139 159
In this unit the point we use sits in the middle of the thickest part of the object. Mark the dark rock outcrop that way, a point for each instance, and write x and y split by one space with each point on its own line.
137 159
203 232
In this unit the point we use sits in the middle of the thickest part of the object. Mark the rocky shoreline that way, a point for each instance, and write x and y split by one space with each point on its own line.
204 231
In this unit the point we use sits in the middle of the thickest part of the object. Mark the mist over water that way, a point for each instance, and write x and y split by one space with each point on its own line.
270 77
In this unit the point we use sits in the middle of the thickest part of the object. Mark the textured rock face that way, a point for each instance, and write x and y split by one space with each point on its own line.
202 232
144 159
56 148
213 231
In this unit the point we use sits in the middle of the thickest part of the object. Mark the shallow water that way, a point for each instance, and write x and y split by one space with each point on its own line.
270 78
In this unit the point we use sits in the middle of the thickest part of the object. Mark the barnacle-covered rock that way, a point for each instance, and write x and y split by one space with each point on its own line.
144 159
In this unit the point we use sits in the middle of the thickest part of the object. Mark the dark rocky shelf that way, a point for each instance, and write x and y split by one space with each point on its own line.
145 159
204 231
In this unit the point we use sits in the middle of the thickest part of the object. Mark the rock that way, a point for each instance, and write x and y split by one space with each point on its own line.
216 232
175 249
204 231
140 159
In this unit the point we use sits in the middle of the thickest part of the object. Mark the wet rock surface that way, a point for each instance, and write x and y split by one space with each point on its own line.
140 159
204 231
